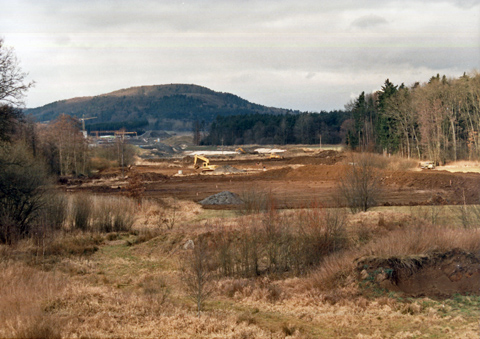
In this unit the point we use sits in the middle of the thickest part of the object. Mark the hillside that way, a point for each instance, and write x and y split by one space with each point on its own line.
171 107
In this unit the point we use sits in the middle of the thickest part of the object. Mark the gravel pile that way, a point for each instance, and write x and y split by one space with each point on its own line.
155 135
222 198
227 169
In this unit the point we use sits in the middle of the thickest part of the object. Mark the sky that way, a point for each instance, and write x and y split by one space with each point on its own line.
307 55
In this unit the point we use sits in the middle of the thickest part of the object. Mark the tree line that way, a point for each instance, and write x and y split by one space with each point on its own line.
438 120
301 128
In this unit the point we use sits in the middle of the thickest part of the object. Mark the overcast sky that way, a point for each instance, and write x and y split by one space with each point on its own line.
309 55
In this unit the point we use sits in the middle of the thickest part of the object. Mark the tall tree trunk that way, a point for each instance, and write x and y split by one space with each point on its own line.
454 136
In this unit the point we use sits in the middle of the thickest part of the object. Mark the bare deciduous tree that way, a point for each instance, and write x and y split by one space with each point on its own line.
65 147
12 78
197 274
359 188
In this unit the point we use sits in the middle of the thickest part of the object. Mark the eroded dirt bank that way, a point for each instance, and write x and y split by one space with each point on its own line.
439 274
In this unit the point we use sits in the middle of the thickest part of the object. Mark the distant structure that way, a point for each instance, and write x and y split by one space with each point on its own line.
84 131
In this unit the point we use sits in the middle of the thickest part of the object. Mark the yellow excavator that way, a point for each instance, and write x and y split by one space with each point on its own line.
240 150
248 151
205 165
275 156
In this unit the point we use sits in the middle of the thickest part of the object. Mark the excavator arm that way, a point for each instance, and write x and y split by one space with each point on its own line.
205 165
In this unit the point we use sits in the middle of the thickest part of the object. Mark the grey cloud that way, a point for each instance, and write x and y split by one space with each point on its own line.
367 21
63 40
235 45
467 3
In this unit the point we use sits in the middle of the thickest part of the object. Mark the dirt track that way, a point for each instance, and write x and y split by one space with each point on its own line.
296 182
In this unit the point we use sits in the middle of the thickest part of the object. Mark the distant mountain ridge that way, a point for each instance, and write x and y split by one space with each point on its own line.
168 107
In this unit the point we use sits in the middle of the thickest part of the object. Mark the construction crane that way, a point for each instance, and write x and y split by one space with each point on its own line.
83 121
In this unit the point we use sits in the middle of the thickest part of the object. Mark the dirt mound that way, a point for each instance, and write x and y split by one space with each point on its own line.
316 172
155 135
222 198
275 173
460 184
439 274
307 172
329 157
227 169
157 149
151 176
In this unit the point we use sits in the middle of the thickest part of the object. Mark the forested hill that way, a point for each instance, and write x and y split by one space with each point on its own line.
170 107
303 128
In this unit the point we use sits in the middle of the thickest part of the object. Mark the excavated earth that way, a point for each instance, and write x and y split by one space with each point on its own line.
293 182
297 182
438 274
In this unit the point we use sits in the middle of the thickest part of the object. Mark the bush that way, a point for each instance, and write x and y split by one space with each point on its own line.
197 274
253 202
359 187
113 214
55 210
73 244
23 186
81 210
281 242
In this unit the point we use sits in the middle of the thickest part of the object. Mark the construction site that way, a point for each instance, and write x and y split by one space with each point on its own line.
254 242
294 176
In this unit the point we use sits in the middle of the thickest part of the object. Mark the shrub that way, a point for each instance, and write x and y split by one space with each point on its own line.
73 244
359 188
81 210
23 185
197 274
278 242
55 210
155 287
113 214
102 214
468 215
254 202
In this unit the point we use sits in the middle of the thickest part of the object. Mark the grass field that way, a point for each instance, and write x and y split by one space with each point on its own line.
131 283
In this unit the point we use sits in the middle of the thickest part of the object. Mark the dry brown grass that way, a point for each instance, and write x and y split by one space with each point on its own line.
403 242
24 298
422 240
167 213
129 288
390 163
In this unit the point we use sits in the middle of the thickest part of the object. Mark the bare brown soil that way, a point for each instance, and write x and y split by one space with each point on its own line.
438 274
293 182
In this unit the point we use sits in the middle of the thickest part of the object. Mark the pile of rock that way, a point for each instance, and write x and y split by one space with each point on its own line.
222 198
227 169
